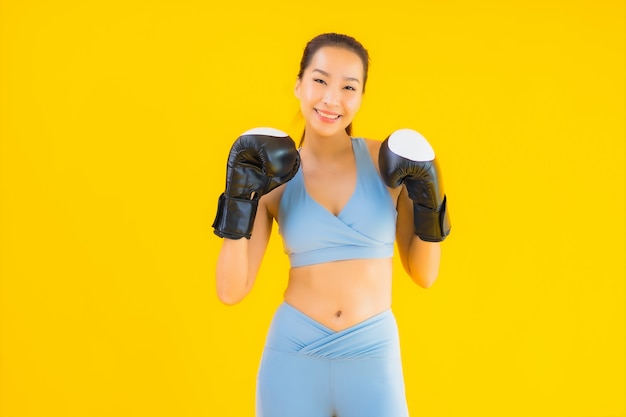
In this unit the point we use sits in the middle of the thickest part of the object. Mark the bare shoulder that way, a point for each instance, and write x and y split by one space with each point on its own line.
373 144
373 147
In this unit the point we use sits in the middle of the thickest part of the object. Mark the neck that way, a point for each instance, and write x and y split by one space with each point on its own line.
327 146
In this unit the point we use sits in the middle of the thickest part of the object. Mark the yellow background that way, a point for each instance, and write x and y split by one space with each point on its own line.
116 118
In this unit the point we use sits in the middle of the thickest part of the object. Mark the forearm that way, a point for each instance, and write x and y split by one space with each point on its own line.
233 280
423 261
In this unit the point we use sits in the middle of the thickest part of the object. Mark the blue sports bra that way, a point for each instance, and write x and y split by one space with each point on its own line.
365 227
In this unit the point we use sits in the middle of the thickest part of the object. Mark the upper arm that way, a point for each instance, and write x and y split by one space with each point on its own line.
260 236
420 259
404 226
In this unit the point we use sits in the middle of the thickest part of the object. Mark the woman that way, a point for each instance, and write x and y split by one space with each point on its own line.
332 347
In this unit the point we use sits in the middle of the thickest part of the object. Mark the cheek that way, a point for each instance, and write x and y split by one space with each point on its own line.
308 93
355 102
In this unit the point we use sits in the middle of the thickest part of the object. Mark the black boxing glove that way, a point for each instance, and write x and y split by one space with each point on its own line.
407 157
260 160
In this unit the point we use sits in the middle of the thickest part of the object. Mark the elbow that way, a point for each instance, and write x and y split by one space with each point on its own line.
426 284
227 300
425 280
423 262
231 287
229 297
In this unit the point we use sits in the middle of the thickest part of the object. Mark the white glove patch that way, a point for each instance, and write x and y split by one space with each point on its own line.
266 131
409 144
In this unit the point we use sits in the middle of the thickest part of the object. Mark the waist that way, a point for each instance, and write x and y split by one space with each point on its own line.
292 331
343 293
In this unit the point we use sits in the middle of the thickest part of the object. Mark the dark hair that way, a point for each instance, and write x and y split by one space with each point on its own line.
339 41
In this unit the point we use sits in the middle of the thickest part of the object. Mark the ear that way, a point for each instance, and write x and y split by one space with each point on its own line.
296 89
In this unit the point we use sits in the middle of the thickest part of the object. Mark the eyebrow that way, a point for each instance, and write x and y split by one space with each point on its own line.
328 75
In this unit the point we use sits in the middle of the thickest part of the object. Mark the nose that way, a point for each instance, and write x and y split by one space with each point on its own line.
331 97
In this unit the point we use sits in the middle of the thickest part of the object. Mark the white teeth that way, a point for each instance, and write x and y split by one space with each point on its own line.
328 116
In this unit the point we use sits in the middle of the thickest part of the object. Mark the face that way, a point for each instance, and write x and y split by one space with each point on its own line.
331 90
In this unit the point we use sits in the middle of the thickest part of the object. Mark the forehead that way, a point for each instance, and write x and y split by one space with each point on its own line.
337 61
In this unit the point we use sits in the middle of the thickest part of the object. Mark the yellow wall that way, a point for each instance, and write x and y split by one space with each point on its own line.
116 118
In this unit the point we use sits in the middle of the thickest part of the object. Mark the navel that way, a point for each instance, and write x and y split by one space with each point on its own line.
338 313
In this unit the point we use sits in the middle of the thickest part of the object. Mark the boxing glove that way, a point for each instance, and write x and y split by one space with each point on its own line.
260 160
407 157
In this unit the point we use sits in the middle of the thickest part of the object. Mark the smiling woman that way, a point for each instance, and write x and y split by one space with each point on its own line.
330 97
115 123
333 345
340 66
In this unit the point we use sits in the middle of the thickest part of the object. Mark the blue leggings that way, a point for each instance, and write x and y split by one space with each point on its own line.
309 370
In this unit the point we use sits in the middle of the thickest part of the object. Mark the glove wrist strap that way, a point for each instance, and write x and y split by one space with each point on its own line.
431 225
235 217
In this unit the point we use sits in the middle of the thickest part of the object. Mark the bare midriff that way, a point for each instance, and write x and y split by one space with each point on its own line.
343 293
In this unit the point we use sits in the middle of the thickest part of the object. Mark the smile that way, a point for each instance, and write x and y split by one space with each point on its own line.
327 115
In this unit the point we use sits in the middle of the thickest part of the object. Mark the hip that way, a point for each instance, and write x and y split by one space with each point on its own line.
293 332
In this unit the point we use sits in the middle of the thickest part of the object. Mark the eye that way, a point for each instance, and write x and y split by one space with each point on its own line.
319 80
349 87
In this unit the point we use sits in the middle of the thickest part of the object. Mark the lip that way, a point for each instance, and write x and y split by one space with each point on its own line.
326 119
